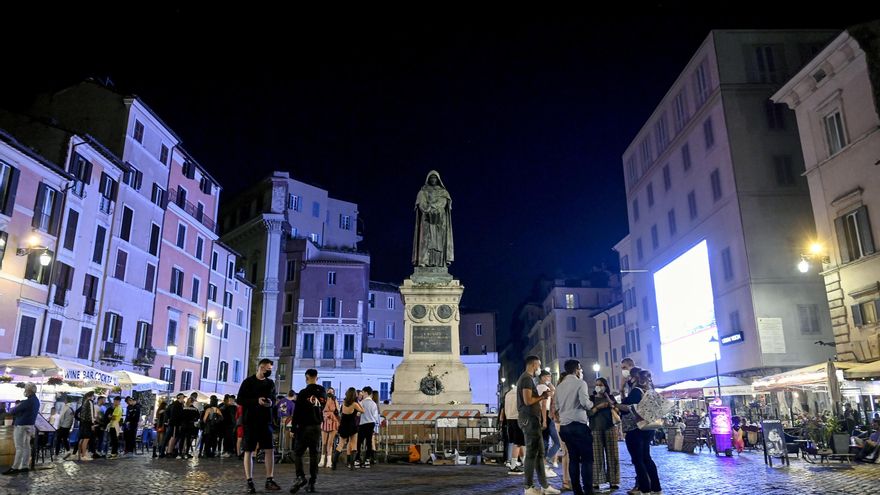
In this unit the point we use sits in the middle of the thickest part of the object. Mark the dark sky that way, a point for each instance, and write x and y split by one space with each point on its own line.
525 117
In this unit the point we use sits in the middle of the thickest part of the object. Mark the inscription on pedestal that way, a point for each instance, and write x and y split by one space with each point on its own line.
435 338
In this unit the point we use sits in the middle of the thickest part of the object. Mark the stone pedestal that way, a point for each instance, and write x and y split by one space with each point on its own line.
431 376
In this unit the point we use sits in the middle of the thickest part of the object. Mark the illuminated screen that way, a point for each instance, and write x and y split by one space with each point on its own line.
686 310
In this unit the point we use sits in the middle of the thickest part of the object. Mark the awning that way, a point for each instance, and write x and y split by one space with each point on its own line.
866 370
816 374
42 366
695 388
138 382
422 415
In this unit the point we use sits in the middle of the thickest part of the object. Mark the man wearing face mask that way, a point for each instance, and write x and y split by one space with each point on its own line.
528 403
255 396
573 401
625 366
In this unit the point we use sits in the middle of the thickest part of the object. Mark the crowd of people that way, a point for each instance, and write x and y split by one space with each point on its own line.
544 421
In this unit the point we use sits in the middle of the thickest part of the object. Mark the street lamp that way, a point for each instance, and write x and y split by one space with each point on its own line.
815 252
596 368
714 339
172 350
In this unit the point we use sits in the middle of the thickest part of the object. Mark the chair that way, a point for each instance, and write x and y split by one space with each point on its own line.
839 448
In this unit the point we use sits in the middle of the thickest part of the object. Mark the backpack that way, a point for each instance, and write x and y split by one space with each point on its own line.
652 409
215 420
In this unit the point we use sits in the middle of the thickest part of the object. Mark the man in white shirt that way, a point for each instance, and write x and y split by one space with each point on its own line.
369 420
510 418
573 401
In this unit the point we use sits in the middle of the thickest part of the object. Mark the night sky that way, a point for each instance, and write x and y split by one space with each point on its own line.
525 117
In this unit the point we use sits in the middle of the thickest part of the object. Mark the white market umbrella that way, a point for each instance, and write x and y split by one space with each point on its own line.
67 370
138 382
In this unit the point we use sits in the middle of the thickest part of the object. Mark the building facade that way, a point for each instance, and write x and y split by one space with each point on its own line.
713 159
477 332
385 319
840 139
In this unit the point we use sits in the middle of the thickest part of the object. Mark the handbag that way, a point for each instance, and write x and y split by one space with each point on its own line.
615 417
650 425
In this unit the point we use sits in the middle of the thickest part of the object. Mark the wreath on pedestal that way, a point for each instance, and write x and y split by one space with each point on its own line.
431 384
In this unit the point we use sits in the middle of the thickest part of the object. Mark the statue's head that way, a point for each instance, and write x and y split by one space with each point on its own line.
432 180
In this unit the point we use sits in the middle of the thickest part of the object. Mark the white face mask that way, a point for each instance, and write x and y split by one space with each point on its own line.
626 373
599 390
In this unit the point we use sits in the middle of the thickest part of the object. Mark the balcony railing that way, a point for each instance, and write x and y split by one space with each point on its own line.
145 356
60 296
328 354
113 351
191 209
106 205
91 307
348 354
308 354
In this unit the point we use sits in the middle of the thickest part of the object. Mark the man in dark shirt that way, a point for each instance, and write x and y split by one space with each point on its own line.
132 418
528 403
173 424
228 409
256 396
307 416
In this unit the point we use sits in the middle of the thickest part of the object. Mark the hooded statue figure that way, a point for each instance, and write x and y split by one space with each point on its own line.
432 242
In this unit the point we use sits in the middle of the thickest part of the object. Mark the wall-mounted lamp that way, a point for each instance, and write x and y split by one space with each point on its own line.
815 252
45 258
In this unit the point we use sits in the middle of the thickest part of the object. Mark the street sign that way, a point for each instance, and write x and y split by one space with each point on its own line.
733 338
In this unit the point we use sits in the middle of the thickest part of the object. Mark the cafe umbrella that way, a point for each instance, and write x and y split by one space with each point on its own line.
45 366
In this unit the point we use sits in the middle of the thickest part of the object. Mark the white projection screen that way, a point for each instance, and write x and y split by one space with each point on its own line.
686 310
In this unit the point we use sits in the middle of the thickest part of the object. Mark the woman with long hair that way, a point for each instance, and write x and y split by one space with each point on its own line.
606 456
638 442
329 427
213 421
348 427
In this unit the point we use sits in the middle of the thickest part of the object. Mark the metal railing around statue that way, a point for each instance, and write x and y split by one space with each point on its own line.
476 439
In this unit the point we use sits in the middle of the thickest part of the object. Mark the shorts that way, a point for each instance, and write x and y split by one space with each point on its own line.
239 432
515 433
258 435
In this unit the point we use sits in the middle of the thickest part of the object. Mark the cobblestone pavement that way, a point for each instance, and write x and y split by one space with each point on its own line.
681 474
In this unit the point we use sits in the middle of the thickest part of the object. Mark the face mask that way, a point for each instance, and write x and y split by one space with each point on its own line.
599 390
537 373
267 373
626 373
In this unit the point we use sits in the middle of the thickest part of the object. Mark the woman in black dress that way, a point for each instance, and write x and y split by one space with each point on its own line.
348 427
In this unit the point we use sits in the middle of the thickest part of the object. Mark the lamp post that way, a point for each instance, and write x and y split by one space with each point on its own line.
814 252
596 368
172 350
717 376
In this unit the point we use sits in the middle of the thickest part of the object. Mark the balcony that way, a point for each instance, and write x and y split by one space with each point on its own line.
328 354
191 209
113 351
91 307
348 354
59 298
106 205
308 354
145 357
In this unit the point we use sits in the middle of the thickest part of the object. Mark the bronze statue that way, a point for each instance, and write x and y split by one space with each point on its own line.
432 243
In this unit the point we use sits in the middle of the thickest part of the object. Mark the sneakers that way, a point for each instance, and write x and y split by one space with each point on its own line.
550 491
516 470
310 488
550 473
250 487
534 491
299 483
271 486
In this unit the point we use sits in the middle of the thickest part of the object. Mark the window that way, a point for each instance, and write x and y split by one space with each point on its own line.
479 329
655 237
635 204
646 315
212 292
227 299
834 132
223 371
294 202
572 323
138 132
308 346
649 350
390 303
47 210
605 326
26 336
775 115
236 371
112 327
316 209
163 154
168 375
614 355
315 238
767 65
708 133
98 254
661 133
125 230
734 322
646 155
155 235
214 257
692 204
624 262
667 178
348 346
573 349
85 339
330 307
809 316
291 271
632 173
143 335
702 83
389 330
670 215
133 177
571 301
171 337
200 246
54 336
864 313
230 270
158 196
189 169
715 179
206 186
225 329
344 222
727 264
8 188
650 194
607 363
191 340
195 290
206 361
383 391
90 292
239 317
680 116
177 282
372 300
371 328
288 302
639 253
686 157
70 231
331 278
854 235
150 278
181 236
186 379
121 264
285 336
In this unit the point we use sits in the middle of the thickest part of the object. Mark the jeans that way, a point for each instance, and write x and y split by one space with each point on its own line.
365 434
62 439
22 436
551 434
579 441
638 443
307 437
531 428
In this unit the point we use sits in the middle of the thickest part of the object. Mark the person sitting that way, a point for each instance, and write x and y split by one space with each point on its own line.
871 446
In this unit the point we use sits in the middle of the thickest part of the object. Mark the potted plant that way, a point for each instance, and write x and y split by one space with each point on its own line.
117 389
54 380
5 378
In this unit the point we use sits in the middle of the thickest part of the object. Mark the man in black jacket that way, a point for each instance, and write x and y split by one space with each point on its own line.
307 417
173 424
256 397
132 418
